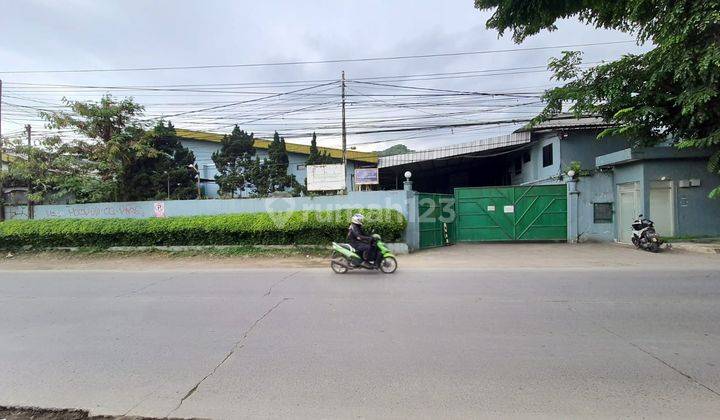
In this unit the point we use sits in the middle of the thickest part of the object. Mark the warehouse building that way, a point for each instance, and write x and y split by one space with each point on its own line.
516 187
204 144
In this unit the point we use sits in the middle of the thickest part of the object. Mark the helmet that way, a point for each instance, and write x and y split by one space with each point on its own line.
358 219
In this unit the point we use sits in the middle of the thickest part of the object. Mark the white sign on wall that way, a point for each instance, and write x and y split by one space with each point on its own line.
366 176
325 177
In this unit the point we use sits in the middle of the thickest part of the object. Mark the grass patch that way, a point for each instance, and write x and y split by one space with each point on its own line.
242 251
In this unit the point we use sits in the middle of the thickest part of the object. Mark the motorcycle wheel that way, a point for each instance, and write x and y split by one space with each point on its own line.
654 247
388 265
636 242
338 267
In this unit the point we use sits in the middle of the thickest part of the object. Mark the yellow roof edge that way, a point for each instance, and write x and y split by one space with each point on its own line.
291 147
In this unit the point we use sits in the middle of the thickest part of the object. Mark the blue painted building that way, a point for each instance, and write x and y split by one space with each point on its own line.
666 184
618 182
204 145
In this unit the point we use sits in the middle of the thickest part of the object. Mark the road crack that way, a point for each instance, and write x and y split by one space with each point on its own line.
147 286
239 344
659 359
277 283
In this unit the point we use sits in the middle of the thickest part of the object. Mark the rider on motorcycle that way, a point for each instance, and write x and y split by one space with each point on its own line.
363 243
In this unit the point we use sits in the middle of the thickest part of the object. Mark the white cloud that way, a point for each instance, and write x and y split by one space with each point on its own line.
134 33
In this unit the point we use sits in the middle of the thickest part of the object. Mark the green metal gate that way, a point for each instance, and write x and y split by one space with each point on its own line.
530 213
436 213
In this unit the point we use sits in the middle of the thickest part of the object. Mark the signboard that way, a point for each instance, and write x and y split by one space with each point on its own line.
159 209
326 177
366 176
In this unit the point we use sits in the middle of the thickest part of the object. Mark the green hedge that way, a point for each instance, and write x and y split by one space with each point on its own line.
301 227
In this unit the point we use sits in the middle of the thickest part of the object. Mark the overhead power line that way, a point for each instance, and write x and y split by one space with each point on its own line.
302 62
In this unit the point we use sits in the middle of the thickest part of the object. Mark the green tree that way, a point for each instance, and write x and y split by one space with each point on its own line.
234 162
316 157
150 177
672 92
53 170
259 175
113 132
276 169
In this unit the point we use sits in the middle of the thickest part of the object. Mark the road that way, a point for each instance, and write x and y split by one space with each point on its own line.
304 343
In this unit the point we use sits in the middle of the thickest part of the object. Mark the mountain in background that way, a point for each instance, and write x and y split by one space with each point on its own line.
398 149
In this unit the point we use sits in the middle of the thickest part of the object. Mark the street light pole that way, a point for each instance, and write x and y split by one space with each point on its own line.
195 168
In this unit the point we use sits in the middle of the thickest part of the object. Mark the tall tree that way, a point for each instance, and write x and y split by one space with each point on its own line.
315 157
52 170
672 92
234 162
276 167
114 133
259 175
166 174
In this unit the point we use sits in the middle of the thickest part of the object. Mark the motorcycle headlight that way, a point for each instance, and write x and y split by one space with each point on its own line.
654 239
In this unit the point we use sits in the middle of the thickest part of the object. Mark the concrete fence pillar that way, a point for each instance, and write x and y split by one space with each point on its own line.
407 185
412 232
572 211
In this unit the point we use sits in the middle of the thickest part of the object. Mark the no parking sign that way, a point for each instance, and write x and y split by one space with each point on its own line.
159 209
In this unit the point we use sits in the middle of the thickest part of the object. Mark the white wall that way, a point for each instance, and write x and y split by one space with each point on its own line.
534 171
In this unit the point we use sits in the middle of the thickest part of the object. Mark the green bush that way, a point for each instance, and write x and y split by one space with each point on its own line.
300 227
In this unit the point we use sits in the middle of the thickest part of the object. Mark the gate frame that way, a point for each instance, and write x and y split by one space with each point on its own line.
570 212
444 232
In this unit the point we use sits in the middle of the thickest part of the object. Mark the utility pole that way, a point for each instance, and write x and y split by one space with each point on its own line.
167 176
344 133
2 187
28 130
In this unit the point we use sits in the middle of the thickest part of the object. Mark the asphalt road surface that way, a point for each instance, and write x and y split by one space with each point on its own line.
306 343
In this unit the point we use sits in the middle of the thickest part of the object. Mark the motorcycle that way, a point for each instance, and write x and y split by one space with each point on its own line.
644 235
345 258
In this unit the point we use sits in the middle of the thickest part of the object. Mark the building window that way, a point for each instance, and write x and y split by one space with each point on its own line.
301 167
602 212
526 157
547 155
518 166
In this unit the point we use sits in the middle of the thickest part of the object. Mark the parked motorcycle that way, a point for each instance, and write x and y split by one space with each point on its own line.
345 258
644 235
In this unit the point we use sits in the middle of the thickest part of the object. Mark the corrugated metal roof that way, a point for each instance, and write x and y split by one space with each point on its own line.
291 147
566 121
455 150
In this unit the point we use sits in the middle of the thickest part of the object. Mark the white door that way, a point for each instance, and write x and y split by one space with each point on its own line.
662 209
628 209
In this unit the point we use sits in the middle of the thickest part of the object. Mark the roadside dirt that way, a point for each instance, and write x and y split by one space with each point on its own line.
34 413
151 261
480 256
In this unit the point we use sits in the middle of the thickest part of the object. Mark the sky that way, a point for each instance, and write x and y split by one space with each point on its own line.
423 102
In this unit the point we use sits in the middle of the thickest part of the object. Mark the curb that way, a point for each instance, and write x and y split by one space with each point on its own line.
696 248
398 248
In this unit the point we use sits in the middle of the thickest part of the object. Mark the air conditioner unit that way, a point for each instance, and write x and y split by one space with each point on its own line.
695 182
684 183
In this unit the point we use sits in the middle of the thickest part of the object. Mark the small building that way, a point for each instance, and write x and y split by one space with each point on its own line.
204 144
618 182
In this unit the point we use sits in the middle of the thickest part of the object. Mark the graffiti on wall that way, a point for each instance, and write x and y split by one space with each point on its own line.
91 211
16 212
